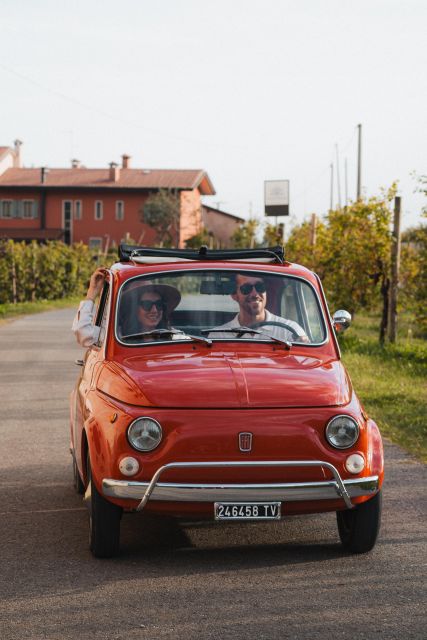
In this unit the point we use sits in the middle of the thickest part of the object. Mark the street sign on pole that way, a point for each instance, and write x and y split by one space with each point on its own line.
276 197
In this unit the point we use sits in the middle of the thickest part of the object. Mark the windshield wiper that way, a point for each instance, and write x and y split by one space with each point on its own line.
240 331
167 332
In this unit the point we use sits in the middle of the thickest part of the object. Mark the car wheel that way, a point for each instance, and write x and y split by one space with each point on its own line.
104 521
358 528
77 481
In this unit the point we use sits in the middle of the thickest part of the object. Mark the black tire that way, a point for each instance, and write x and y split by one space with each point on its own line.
104 522
358 528
77 481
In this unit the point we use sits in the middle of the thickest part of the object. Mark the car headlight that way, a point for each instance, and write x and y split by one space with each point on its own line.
144 434
342 432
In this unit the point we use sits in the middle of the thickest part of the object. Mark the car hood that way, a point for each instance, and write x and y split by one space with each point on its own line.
228 381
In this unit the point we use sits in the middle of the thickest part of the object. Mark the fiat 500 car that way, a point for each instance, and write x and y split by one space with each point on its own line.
209 414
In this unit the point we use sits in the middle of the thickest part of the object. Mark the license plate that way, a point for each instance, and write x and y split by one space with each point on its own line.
247 510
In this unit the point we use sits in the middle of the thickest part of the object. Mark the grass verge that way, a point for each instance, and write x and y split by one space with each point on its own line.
11 311
391 382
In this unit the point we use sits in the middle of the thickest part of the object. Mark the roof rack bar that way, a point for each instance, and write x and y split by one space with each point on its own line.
128 253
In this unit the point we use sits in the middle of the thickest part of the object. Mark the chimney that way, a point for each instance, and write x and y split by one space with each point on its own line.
17 159
114 172
76 164
125 161
43 174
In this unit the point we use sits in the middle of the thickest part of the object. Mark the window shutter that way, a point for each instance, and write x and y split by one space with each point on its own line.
35 209
17 208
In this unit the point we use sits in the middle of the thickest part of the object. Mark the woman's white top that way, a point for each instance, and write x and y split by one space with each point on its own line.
83 328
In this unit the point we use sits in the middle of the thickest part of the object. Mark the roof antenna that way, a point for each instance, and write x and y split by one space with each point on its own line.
203 250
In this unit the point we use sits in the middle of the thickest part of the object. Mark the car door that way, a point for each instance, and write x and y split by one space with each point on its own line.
93 358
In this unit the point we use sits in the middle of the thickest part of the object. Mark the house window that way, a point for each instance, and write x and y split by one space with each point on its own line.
28 208
67 209
67 220
98 210
120 210
78 210
95 243
6 209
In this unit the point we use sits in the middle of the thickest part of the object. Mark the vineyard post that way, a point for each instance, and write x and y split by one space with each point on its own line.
12 255
395 265
313 229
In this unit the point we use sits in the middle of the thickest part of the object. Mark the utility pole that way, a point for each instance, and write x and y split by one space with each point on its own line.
346 183
395 264
338 178
332 187
359 163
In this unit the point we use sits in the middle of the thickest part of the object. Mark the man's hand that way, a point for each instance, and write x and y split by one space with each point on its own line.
96 283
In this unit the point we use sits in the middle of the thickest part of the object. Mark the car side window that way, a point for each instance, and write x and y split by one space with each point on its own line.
102 314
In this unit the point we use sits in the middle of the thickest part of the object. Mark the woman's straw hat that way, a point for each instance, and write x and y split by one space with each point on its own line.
169 294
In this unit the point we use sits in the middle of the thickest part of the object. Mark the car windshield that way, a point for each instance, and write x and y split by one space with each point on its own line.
218 305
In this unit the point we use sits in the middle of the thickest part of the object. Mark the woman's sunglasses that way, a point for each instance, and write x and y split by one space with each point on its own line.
247 287
147 305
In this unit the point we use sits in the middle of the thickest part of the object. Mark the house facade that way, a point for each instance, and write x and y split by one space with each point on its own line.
100 207
220 226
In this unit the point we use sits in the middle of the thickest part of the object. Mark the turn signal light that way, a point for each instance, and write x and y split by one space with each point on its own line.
129 466
355 463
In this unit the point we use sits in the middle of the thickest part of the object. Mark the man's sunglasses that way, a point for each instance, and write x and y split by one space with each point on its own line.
147 305
247 287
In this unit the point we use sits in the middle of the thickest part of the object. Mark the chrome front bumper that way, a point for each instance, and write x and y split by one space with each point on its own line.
219 492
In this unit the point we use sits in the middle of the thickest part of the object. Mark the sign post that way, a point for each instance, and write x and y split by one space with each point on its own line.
276 202
276 197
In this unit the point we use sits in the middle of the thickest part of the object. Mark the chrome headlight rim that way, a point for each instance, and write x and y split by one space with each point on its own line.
355 439
155 443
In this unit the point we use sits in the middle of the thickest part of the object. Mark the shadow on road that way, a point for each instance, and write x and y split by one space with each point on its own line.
56 551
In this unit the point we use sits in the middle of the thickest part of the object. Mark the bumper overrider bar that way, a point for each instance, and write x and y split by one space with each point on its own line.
289 491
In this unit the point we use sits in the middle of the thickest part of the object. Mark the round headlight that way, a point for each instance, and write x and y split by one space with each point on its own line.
144 434
342 432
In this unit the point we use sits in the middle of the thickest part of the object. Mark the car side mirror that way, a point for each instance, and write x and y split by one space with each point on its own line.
341 320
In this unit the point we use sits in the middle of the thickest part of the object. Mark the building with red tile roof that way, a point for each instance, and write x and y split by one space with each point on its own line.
97 206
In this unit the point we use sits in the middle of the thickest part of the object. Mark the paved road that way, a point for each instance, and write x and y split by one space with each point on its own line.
287 580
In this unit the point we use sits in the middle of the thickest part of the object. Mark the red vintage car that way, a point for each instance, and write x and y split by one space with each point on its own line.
233 404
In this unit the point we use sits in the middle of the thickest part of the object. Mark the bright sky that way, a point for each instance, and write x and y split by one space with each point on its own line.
249 90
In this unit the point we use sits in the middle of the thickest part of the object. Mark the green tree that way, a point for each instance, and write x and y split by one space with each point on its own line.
413 276
356 258
273 234
422 188
245 235
161 212
199 239
299 247
352 253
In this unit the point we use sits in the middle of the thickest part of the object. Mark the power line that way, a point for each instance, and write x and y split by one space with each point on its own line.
105 114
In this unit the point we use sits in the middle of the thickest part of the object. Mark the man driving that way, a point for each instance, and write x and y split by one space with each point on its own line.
251 295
